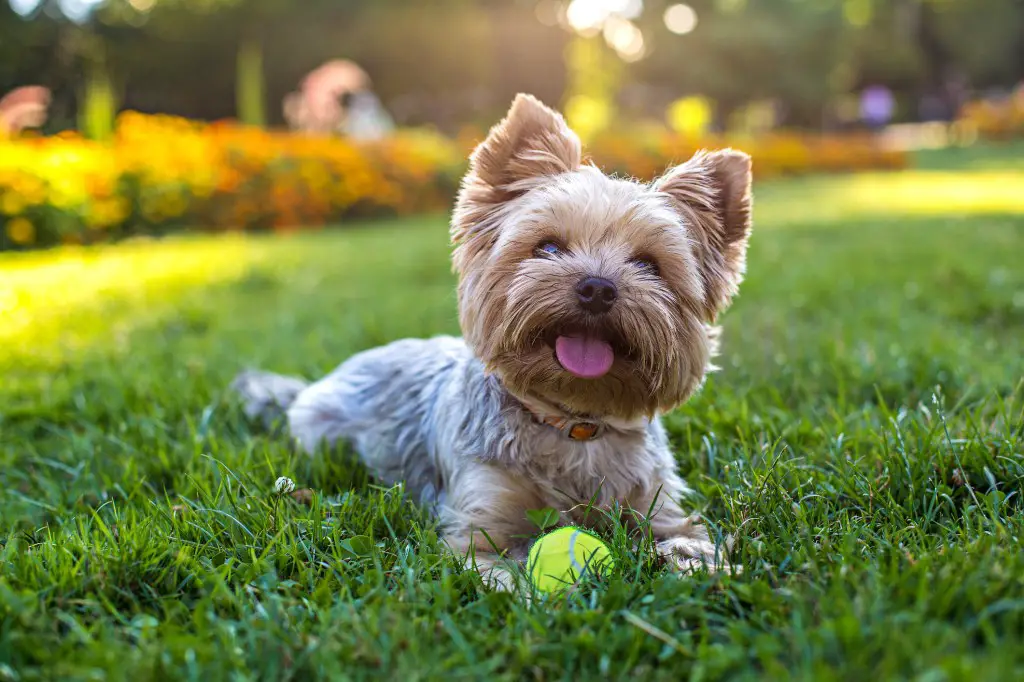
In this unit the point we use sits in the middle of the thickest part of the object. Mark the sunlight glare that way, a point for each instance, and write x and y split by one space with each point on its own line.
627 9
587 16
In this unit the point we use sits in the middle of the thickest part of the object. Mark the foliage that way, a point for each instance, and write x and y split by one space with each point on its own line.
879 529
163 173
994 119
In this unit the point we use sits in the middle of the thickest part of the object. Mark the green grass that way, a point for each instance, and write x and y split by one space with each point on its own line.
864 441
981 155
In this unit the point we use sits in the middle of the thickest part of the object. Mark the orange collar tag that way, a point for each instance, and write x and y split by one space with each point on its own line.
584 431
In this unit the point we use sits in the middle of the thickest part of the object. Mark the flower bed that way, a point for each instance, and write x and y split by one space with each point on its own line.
997 119
160 174
775 155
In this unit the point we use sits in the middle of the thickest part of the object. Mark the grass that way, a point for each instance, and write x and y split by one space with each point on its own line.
864 440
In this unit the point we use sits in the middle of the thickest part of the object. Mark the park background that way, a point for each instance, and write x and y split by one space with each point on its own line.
192 187
143 117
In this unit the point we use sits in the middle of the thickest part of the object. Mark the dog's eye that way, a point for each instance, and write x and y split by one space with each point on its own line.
548 248
646 266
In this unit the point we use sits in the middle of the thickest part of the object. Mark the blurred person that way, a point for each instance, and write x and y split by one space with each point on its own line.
22 108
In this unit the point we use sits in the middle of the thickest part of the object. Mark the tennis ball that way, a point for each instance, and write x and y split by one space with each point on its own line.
560 558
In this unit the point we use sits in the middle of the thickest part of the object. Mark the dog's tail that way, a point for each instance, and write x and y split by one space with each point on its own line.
266 396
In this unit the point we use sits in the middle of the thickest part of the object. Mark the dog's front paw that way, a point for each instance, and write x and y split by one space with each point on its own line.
688 554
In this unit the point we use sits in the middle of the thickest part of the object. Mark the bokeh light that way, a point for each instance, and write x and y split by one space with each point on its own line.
690 116
627 9
587 16
78 11
680 19
609 17
25 7
624 37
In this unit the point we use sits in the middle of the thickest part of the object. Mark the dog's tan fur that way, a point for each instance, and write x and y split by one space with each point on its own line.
526 185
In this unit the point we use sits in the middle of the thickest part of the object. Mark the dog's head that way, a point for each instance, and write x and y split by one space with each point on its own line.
594 293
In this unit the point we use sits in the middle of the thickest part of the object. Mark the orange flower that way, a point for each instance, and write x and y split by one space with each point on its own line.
21 231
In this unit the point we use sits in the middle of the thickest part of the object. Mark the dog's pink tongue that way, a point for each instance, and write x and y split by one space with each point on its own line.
584 356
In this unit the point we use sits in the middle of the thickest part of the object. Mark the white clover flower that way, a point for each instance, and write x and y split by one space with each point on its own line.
284 485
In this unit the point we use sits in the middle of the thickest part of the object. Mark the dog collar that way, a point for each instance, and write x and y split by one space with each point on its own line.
572 427
574 430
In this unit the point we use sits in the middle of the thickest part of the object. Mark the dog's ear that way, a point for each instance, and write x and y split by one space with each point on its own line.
529 144
711 192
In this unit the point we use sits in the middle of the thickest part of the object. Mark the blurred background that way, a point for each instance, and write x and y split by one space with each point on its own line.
124 117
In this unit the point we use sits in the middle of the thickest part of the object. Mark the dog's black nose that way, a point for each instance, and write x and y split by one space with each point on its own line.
596 294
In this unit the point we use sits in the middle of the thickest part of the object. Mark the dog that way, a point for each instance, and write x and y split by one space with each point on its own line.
588 307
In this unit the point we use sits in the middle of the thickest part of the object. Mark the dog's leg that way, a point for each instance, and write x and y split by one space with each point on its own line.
266 396
484 519
324 413
681 538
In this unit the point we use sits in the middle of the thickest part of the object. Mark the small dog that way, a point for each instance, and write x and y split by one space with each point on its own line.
587 305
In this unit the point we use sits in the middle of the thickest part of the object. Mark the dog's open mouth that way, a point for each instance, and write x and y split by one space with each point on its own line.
584 353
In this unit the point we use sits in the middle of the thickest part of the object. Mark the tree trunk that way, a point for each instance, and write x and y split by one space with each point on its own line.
99 103
249 83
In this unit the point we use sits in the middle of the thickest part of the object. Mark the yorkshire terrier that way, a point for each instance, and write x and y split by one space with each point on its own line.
588 306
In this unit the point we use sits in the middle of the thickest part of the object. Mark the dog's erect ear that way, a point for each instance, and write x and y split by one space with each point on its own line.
532 142
712 193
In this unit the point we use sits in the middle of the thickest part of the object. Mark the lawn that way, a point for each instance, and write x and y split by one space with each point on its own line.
864 441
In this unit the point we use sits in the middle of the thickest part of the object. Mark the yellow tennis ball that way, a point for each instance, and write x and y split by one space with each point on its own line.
560 558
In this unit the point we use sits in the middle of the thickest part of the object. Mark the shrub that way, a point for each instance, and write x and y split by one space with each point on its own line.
998 119
161 173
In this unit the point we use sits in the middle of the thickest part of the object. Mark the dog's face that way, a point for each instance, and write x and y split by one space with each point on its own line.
594 293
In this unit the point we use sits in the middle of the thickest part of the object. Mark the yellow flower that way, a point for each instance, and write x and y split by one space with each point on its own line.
21 231
11 203
107 212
